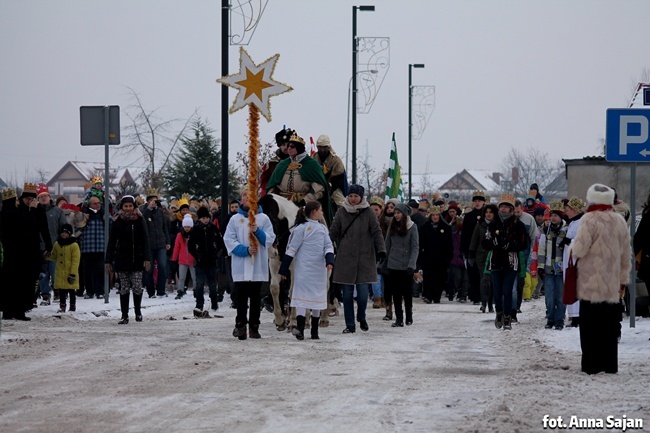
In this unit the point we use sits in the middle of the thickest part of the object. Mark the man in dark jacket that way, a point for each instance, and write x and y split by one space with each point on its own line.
206 245
128 254
158 229
469 224
92 241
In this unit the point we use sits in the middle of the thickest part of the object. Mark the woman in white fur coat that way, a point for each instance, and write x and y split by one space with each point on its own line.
602 246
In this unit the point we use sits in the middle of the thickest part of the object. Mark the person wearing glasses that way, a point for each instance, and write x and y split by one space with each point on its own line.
300 178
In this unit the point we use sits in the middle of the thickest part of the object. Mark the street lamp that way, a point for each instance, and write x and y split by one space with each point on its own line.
411 66
347 133
355 48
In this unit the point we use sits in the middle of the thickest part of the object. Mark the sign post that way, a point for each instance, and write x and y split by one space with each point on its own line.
628 140
100 125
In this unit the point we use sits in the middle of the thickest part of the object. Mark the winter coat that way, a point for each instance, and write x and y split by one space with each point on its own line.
181 251
642 245
66 254
128 244
204 244
33 228
470 221
237 241
602 246
402 251
55 220
505 239
355 261
550 253
476 248
157 227
457 258
436 246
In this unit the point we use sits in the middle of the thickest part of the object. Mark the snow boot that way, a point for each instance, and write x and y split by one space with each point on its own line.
507 322
389 312
137 303
61 307
399 319
73 307
46 299
299 330
364 325
254 331
214 305
56 295
206 314
498 321
314 328
376 302
124 306
179 294
198 312
239 331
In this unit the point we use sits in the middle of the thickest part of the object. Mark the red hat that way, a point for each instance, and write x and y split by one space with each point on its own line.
452 205
42 189
547 214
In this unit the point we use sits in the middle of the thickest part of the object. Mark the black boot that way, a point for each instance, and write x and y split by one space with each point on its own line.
254 331
179 294
137 303
314 328
399 319
124 306
240 331
507 322
299 330
214 305
498 320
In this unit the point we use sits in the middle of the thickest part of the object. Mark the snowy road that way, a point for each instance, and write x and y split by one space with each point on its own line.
452 371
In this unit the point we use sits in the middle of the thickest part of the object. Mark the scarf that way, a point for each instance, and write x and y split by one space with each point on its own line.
505 217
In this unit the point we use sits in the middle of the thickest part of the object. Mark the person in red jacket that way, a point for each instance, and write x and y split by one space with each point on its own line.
182 256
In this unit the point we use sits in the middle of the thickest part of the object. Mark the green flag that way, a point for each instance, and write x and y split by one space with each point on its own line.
394 180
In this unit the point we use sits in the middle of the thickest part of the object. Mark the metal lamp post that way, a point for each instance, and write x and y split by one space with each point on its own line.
354 85
411 66
347 133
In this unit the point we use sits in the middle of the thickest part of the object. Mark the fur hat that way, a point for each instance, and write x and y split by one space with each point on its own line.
404 209
203 212
282 137
356 189
188 221
600 194
376 200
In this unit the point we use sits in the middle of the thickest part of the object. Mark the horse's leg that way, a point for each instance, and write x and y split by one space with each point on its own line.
274 267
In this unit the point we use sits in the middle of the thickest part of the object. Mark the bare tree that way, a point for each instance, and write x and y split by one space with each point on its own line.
155 139
126 187
523 167
42 175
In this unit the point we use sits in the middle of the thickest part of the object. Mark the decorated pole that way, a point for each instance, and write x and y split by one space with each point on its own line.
255 87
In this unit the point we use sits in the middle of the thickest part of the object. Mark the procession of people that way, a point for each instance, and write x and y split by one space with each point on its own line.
491 254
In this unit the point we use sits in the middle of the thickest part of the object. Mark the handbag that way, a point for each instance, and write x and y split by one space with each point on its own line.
570 294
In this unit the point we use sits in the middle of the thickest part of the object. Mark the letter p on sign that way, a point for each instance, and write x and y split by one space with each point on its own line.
625 139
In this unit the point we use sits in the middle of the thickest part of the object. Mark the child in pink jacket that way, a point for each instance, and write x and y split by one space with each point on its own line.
182 256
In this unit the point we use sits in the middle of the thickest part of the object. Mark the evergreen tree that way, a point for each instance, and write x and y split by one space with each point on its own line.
197 168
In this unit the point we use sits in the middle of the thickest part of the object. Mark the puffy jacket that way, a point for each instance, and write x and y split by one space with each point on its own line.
205 244
66 254
128 244
181 251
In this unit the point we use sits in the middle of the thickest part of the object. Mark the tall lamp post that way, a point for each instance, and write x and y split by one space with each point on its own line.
347 132
355 48
411 66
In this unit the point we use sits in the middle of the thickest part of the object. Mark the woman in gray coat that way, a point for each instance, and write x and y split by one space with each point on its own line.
402 245
357 235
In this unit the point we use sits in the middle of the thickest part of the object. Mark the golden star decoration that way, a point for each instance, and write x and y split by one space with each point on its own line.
255 84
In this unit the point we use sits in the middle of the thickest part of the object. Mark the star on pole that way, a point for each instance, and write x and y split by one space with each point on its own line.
255 84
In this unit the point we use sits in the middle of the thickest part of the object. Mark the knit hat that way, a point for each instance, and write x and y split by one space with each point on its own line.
547 214
600 194
203 212
127 199
534 187
453 205
323 141
404 209
539 211
356 189
67 228
42 189
188 221
394 201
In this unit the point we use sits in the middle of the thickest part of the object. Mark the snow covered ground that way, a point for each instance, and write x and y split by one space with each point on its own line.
452 371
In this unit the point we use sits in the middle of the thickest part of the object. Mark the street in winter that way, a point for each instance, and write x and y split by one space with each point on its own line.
451 371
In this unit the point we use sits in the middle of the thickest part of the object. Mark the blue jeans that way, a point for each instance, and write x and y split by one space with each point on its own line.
348 302
208 274
44 278
553 289
158 256
378 287
502 287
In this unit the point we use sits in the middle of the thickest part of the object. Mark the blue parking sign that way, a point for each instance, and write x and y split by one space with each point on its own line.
628 138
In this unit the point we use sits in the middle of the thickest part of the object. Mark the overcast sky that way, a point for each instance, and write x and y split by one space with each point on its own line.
507 73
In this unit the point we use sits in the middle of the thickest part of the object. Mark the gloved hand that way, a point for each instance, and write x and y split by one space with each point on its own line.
381 255
72 278
410 271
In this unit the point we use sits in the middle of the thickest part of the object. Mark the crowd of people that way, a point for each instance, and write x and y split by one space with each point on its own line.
494 255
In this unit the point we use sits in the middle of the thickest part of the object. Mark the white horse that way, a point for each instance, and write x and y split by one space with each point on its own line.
282 213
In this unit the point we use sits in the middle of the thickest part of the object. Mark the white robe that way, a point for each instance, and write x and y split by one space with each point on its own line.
244 268
572 310
308 245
